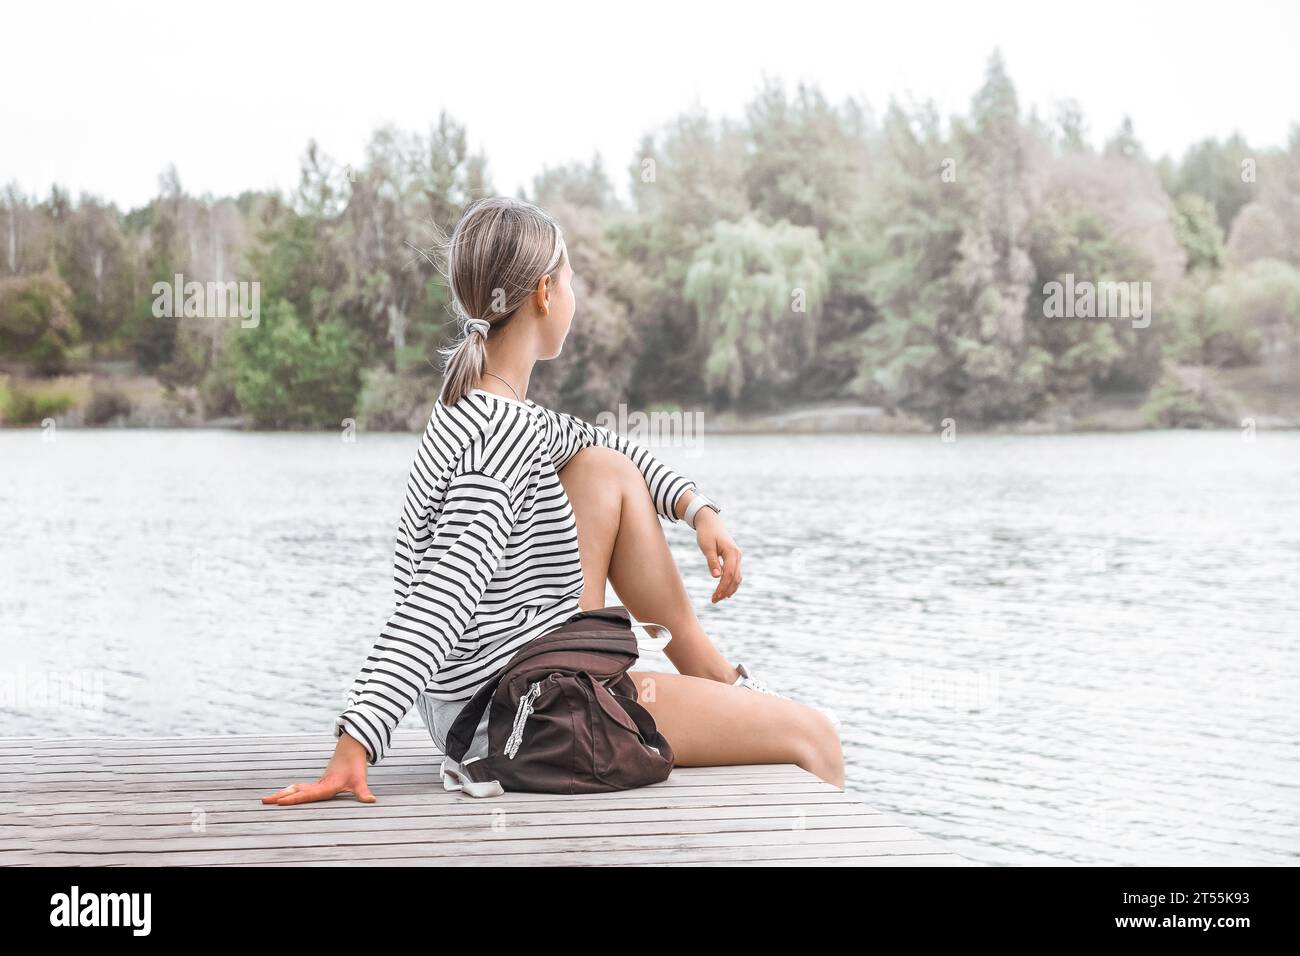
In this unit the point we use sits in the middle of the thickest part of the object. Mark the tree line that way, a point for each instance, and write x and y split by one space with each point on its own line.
804 252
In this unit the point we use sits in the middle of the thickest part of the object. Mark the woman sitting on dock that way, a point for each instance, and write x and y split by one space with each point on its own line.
516 516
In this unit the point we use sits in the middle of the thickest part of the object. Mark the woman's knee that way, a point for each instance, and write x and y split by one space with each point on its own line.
599 477
597 463
598 498
818 738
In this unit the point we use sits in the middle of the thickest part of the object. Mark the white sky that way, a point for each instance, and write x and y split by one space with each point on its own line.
101 97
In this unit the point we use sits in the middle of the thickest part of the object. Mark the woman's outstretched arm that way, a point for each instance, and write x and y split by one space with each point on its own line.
471 536
475 520
477 516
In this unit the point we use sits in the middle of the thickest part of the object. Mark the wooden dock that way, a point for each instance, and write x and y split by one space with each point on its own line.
195 801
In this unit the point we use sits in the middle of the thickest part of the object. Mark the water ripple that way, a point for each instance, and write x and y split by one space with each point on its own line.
1078 649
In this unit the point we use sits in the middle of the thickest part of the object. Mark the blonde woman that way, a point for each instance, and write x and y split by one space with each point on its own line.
516 516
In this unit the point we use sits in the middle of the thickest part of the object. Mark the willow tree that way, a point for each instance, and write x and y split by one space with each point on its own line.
683 179
758 291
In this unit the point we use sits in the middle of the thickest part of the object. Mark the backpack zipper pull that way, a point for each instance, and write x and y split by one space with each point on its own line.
522 713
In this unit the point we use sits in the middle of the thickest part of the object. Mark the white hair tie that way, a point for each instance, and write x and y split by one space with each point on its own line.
480 326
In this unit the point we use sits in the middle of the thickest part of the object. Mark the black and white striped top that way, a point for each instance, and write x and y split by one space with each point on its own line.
487 554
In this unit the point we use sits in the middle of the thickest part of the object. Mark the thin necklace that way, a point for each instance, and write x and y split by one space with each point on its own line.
508 385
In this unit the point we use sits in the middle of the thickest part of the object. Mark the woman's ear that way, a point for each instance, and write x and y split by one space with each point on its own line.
543 294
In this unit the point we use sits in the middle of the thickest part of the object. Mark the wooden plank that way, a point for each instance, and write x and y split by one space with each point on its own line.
555 851
418 801
195 801
827 854
487 831
407 795
109 791
323 813
309 769
297 763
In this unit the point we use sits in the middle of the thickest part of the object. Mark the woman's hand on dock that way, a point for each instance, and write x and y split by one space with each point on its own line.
346 773
722 553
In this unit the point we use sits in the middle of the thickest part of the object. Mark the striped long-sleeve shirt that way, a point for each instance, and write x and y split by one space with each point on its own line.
487 554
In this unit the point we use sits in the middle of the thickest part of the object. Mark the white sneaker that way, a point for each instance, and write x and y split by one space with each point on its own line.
753 683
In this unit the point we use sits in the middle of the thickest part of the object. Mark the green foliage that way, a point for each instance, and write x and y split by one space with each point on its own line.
804 157
152 339
217 388
1199 232
592 372
27 406
292 259
951 275
289 376
759 291
396 402
36 321
1072 234
1186 398
95 259
1240 318
1263 298
1214 171
922 246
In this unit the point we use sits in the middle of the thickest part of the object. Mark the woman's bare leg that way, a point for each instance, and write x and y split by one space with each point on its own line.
620 539
707 722
710 724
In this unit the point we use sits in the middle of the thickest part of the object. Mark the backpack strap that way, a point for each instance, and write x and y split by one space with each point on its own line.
461 734
459 737
453 777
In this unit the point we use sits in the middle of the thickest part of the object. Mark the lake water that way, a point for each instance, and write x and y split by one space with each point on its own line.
1076 649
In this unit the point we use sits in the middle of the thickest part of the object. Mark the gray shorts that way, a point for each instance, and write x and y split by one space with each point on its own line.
439 715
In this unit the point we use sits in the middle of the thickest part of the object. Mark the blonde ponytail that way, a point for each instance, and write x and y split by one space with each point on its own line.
497 255
463 366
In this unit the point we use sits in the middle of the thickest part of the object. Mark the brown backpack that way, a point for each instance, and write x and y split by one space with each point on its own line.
563 717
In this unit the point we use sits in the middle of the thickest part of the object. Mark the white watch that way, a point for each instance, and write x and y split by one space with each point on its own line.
698 501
